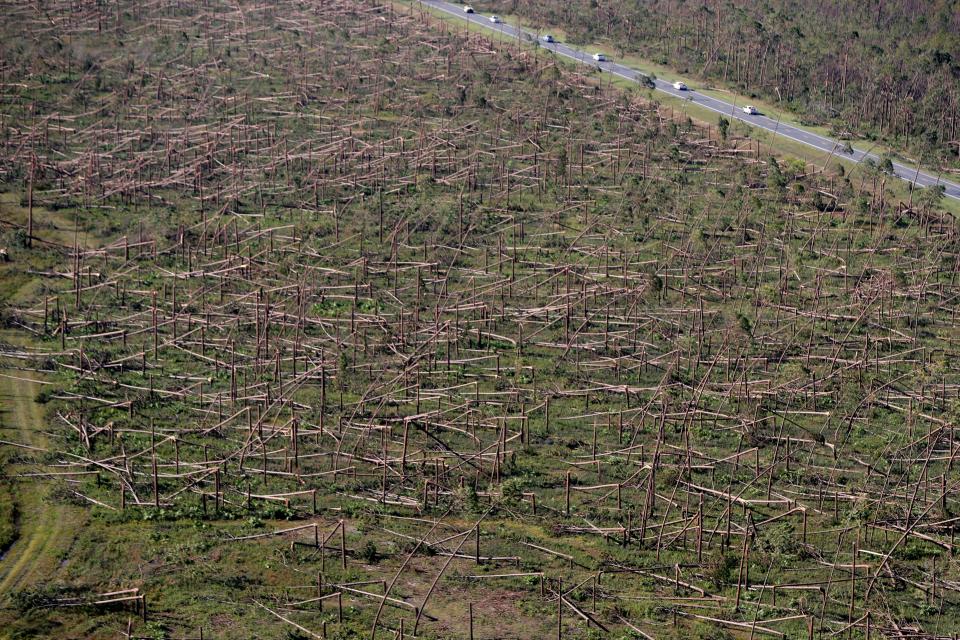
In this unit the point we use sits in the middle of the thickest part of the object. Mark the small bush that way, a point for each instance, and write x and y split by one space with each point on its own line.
369 553
720 570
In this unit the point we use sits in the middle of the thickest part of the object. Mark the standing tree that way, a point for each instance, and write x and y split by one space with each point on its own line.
723 124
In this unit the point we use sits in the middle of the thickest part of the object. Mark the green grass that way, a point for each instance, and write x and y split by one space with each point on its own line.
34 529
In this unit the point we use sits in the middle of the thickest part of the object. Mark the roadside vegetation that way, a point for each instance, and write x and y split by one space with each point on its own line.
359 325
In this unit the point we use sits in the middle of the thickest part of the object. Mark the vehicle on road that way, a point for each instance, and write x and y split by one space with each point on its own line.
679 86
750 110
467 9
547 38
600 57
495 19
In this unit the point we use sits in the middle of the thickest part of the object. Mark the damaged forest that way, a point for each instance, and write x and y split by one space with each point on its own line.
328 319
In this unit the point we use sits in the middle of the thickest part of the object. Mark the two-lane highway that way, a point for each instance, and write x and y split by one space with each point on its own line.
730 110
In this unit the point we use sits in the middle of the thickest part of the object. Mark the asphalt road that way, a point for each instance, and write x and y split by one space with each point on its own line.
729 110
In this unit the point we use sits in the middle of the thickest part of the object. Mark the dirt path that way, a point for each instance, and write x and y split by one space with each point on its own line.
43 524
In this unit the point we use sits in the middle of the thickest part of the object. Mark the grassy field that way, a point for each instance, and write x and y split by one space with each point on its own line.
360 326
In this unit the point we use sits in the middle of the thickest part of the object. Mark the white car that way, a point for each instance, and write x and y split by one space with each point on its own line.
468 9
679 86
599 57
750 110
495 19
548 38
